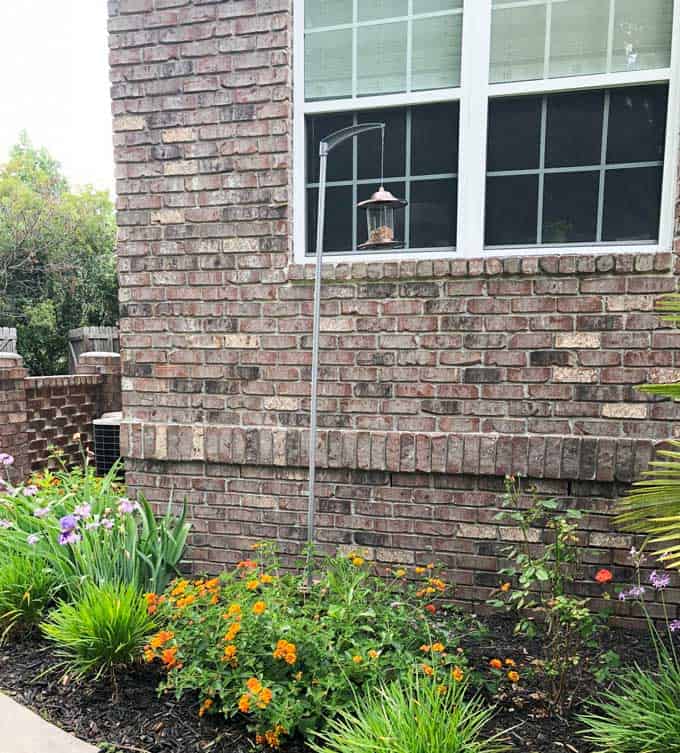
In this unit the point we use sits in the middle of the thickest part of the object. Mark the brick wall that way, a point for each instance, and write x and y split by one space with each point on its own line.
459 369
40 414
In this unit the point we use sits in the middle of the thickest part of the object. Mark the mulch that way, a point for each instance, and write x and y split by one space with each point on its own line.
140 721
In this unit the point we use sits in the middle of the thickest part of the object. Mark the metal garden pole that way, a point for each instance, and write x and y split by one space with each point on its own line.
325 147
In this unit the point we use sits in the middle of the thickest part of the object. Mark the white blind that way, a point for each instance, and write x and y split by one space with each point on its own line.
554 38
379 47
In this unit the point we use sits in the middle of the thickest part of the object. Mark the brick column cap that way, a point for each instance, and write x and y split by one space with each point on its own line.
11 361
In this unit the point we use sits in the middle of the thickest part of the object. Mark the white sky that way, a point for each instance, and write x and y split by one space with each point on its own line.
54 82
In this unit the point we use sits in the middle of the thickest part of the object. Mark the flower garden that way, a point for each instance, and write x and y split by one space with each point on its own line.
103 634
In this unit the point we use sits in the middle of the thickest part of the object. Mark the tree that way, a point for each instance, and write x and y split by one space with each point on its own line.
652 506
57 257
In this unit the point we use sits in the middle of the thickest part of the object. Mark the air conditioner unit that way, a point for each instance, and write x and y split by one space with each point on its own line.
106 441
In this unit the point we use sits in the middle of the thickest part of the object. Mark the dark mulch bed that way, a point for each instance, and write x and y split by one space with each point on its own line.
141 722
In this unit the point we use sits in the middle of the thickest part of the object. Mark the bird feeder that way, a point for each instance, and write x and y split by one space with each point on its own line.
381 211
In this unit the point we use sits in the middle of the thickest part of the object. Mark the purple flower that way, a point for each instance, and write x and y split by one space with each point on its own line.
127 506
92 525
71 537
68 523
660 580
674 626
83 511
636 592
33 539
30 491
107 523
41 512
5 524
622 596
6 459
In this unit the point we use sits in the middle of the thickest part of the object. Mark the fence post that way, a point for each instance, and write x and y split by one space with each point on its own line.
8 340
13 414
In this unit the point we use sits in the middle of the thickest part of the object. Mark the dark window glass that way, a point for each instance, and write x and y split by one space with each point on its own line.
434 212
339 219
511 210
637 124
434 139
354 173
514 133
632 201
574 129
570 207
395 145
585 196
318 127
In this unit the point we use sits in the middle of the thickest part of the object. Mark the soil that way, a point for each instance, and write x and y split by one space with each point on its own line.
142 722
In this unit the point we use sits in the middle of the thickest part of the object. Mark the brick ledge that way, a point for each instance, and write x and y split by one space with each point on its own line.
540 457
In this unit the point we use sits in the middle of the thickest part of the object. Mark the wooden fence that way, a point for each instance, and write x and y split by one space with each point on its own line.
88 339
8 340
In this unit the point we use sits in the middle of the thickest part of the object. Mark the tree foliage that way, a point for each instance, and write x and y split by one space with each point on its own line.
57 257
652 506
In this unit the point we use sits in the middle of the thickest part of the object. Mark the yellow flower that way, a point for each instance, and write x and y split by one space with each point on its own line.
496 664
425 648
233 610
357 659
298 676
252 585
149 655
427 669
430 566
254 685
438 647
286 651
441 689
180 588
161 638
438 583
266 578
457 674
513 677
264 698
510 663
358 561
229 652
374 654
420 570
259 607
234 630
505 587
205 706
400 573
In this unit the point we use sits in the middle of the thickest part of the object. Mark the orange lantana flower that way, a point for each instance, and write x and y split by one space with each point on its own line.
496 664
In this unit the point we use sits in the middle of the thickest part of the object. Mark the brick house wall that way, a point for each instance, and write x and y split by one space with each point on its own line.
438 377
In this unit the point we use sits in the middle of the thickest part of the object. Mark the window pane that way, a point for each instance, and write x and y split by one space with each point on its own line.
570 207
371 10
511 210
398 189
514 133
429 6
631 204
642 34
434 212
318 127
395 145
327 13
434 139
436 52
517 43
339 219
574 129
578 40
328 64
637 124
381 58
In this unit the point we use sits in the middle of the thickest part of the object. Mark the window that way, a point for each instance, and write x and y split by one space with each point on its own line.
512 126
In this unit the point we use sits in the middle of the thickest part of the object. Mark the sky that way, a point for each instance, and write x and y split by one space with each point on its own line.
54 83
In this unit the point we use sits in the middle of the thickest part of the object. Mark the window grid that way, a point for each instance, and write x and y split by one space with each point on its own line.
407 179
602 169
356 24
473 93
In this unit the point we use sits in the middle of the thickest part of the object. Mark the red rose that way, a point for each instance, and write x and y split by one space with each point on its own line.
603 576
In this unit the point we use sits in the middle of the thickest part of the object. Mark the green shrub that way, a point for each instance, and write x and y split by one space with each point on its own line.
89 532
103 631
414 715
641 713
27 588
257 642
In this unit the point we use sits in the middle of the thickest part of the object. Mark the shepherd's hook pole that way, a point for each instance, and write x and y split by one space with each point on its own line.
325 147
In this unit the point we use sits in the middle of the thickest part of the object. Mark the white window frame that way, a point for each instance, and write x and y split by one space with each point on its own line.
473 95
